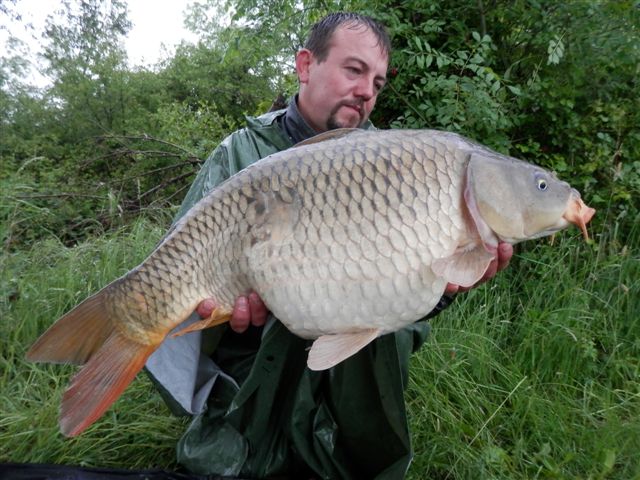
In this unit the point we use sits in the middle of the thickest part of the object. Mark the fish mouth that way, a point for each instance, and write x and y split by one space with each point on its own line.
578 213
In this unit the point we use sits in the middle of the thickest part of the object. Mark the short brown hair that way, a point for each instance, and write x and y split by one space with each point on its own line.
321 32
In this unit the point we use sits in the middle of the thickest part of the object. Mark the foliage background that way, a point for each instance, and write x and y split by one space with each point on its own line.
125 141
534 375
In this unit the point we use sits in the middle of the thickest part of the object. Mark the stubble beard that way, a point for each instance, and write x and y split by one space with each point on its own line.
333 123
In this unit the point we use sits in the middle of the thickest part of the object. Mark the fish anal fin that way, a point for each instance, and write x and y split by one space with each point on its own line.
217 317
329 350
465 267
76 335
101 381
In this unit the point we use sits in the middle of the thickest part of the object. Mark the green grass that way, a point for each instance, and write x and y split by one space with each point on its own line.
534 375
37 287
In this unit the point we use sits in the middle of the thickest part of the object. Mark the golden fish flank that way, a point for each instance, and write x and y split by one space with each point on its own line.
346 237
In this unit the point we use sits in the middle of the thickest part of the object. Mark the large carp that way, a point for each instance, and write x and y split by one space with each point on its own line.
345 238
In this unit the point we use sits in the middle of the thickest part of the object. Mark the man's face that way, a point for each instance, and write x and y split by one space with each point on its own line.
341 91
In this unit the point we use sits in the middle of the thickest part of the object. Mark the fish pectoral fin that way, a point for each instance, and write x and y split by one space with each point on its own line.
465 267
329 350
217 317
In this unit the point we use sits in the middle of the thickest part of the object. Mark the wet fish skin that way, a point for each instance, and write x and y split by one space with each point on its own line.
344 239
323 226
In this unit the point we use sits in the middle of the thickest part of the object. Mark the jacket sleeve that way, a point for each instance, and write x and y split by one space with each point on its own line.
235 153
214 171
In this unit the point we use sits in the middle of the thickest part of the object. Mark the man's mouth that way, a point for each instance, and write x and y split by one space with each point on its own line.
354 106
333 121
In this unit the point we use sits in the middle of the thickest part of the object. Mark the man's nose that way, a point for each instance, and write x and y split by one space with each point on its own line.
365 88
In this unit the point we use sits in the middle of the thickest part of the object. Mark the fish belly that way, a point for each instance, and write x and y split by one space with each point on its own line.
312 307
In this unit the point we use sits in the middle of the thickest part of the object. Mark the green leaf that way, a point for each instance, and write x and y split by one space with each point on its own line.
609 461
515 90
429 60
555 51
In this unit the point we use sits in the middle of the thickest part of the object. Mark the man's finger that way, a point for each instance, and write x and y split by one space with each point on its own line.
241 315
205 308
491 271
451 289
505 252
258 310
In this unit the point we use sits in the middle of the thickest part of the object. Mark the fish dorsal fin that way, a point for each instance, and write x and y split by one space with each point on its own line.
329 350
329 135
465 266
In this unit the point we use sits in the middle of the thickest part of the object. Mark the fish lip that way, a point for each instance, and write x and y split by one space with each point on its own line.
560 225
578 213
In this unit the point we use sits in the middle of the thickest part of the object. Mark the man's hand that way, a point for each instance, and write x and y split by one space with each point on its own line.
505 252
247 311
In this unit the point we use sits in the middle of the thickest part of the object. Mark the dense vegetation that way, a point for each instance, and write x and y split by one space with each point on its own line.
535 375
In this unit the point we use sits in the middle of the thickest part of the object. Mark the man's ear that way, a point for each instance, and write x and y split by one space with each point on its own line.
304 58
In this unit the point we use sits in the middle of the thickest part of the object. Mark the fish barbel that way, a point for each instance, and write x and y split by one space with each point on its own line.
345 237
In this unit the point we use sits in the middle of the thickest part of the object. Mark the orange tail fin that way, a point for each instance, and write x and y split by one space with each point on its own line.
101 381
76 336
86 335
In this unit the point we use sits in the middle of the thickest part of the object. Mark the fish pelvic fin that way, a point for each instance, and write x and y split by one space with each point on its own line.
101 381
76 336
329 350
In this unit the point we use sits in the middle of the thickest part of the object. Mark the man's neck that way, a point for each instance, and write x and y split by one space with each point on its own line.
294 124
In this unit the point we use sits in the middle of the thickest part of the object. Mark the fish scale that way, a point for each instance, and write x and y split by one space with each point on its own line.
350 289
346 237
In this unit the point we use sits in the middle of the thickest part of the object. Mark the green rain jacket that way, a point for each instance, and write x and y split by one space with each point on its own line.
260 412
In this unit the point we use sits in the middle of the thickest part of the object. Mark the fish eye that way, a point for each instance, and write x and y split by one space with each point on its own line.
542 184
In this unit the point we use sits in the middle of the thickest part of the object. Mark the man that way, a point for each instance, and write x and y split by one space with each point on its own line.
261 412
